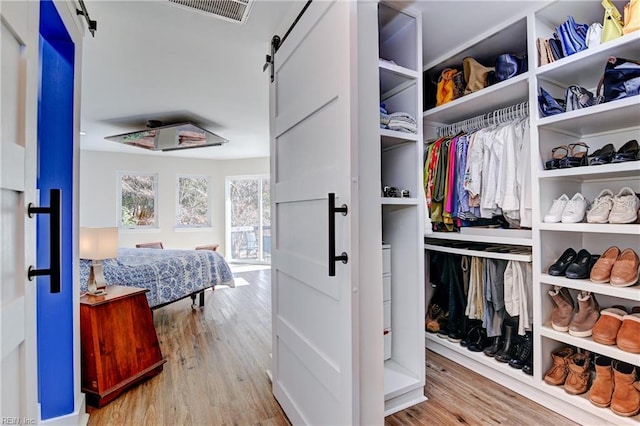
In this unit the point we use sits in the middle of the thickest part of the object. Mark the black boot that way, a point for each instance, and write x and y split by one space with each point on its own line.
509 348
528 366
526 350
495 346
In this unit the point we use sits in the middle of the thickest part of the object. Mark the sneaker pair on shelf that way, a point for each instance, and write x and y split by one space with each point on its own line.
567 210
621 208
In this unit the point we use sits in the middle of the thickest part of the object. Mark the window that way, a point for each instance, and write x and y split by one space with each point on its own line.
193 201
248 218
138 200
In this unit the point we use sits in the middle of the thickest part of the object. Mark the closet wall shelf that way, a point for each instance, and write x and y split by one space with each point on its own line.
629 293
588 65
629 169
435 343
393 75
589 344
392 201
398 380
394 136
603 228
601 118
497 236
582 403
503 94
478 253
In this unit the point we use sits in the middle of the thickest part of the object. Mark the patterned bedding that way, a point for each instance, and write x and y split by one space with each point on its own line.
169 275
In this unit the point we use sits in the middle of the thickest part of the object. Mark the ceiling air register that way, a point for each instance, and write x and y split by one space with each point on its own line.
159 137
229 10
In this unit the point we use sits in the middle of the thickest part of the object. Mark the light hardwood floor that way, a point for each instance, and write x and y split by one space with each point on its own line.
216 363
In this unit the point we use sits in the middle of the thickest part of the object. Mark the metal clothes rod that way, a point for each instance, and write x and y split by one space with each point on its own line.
499 116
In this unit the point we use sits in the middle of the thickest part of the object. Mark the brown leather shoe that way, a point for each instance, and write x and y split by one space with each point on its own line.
577 381
625 271
601 271
607 326
602 387
626 396
629 335
557 374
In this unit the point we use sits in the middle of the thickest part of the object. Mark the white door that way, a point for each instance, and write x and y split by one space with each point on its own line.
314 315
18 95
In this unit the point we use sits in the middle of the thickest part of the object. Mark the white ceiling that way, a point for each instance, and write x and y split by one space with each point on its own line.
154 60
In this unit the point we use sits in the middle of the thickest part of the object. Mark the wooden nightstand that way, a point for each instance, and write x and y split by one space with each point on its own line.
119 344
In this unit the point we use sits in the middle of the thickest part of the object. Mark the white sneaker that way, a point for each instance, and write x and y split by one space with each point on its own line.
554 215
575 209
601 207
625 207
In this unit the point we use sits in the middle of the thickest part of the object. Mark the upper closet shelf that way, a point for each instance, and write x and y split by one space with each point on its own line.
614 115
500 95
483 235
393 201
587 67
394 78
628 169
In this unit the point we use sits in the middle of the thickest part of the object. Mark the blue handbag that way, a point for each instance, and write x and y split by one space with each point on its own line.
621 79
508 66
547 105
573 36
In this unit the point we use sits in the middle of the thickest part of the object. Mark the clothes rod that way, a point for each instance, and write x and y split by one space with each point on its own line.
499 116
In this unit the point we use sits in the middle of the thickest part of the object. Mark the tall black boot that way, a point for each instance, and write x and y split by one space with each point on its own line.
509 347
526 349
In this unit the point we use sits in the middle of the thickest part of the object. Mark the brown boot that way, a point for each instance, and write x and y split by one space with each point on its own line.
577 381
602 388
434 319
563 308
606 328
626 394
587 316
557 374
628 338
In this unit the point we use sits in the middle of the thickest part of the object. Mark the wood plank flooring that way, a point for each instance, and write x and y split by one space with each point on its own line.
217 359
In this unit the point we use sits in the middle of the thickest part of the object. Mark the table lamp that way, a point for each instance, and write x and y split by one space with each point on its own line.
97 244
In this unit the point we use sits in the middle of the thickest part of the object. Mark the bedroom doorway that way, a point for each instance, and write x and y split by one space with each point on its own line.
248 218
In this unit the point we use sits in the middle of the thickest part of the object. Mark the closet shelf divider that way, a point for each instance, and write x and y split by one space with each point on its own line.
478 253
601 228
628 169
497 236
630 293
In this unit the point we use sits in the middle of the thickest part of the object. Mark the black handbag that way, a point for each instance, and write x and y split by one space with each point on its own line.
556 48
621 79
577 97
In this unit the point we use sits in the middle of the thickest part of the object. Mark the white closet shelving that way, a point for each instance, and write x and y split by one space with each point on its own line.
400 89
613 122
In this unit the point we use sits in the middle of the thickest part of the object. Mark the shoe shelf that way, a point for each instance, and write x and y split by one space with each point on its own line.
629 293
606 117
442 346
604 228
587 343
582 403
589 64
629 169
398 380
518 253
487 235
500 95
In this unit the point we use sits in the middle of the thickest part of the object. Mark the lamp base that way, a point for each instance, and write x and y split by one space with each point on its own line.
96 285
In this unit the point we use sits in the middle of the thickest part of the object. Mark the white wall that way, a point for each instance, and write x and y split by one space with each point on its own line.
98 192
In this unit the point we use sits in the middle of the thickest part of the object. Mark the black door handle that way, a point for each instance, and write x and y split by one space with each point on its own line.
54 240
343 257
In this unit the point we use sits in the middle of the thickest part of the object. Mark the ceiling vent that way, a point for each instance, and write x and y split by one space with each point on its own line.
228 10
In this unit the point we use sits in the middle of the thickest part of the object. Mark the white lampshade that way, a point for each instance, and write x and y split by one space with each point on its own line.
98 243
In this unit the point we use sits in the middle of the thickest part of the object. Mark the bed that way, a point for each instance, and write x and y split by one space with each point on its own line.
169 275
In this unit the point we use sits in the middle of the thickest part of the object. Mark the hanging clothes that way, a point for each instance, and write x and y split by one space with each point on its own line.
518 293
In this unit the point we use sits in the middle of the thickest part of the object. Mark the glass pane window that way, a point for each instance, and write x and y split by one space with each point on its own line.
138 200
193 201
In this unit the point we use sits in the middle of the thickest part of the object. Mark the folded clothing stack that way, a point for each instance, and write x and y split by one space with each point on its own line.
384 116
402 122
